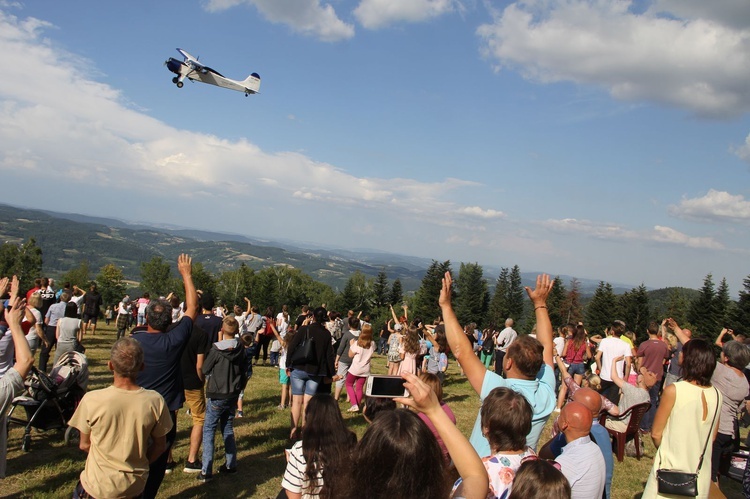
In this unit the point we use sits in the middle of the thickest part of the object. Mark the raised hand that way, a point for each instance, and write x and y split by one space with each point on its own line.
423 398
445 291
185 265
539 294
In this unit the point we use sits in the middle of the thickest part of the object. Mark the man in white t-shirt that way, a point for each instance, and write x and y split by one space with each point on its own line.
502 342
610 348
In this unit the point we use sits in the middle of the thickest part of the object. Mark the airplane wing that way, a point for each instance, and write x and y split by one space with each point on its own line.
190 60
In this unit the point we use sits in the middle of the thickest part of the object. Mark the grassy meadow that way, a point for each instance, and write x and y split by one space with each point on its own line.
50 469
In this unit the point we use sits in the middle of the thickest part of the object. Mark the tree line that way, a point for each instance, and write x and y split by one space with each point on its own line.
475 301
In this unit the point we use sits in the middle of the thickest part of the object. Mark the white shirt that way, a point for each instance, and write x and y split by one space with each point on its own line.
559 344
582 463
612 347
505 338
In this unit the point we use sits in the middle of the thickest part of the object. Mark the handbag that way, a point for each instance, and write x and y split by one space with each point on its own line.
683 483
305 351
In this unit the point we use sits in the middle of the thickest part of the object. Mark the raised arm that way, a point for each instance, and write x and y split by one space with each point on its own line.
677 330
185 268
719 340
538 298
467 461
24 358
616 379
459 343
395 317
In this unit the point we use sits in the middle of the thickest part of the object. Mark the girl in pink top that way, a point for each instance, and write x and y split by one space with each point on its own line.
360 350
409 351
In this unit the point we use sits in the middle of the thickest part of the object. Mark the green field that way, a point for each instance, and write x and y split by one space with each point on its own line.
50 469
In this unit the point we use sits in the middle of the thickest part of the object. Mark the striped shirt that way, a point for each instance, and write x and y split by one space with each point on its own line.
294 477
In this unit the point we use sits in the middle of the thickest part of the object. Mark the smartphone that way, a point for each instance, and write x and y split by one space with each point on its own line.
386 386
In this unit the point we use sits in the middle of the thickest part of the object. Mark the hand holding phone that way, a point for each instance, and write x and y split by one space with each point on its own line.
385 386
423 398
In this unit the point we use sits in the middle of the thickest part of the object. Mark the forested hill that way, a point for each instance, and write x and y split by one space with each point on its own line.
68 239
65 243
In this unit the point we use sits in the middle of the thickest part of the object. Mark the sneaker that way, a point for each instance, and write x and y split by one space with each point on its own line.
194 467
170 467
280 407
203 477
223 469
239 414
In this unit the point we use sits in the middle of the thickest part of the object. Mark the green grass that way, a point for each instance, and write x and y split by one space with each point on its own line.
50 470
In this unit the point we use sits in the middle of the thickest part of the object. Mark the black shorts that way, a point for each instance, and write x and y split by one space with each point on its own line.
86 318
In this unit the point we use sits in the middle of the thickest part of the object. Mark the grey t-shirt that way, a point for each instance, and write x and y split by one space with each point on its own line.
734 389
631 395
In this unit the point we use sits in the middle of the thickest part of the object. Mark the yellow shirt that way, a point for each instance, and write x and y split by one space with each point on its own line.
120 424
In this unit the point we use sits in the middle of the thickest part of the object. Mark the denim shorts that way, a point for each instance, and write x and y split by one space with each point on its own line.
577 369
304 384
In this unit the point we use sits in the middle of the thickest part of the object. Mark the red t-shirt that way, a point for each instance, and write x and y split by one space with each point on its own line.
654 353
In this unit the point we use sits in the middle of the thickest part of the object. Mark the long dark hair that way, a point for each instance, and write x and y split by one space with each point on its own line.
393 458
326 445
579 338
698 362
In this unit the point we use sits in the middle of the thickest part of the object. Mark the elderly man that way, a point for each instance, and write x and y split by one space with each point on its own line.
502 343
581 460
118 466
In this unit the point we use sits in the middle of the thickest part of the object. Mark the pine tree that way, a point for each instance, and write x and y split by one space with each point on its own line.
516 295
678 306
380 290
397 293
573 302
425 303
556 303
723 303
703 314
635 311
472 297
498 308
601 309
741 313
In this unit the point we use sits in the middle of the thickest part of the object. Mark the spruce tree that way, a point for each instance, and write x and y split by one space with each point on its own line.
556 303
703 314
498 308
472 296
601 309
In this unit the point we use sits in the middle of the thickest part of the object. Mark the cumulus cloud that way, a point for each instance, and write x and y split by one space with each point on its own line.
672 54
714 206
614 232
375 14
55 120
308 17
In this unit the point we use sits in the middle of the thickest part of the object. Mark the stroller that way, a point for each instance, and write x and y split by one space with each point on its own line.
50 400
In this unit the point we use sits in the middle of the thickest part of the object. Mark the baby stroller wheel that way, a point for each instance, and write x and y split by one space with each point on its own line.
72 435
26 443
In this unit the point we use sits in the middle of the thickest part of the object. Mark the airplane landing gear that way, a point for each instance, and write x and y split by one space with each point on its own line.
174 80
179 84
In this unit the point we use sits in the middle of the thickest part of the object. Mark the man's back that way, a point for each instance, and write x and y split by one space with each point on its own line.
583 465
118 466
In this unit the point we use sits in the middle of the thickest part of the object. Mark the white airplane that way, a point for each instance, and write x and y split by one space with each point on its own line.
191 69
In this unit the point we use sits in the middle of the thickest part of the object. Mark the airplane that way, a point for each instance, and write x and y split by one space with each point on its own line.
193 70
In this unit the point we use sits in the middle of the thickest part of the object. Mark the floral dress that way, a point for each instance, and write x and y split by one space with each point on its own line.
501 470
394 343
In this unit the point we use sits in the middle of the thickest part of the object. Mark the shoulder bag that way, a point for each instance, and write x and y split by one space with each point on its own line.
683 483
305 351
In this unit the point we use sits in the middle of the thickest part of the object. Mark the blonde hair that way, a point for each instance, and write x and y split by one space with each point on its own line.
230 325
35 300
365 337
594 381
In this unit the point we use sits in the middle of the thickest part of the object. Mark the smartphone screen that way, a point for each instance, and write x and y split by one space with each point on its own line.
386 386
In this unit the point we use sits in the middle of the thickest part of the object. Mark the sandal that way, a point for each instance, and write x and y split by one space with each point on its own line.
353 408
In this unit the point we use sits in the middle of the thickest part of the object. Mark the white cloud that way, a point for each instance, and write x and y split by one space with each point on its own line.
375 14
733 13
695 63
614 232
672 236
308 17
56 121
714 206
476 211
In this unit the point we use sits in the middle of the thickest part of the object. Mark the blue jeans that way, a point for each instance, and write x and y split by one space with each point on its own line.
219 411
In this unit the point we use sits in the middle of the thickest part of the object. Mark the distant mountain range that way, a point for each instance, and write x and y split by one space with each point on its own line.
67 239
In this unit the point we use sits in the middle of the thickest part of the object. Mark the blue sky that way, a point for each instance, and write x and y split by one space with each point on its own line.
604 139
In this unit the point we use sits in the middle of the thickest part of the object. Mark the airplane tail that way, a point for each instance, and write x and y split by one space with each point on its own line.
252 83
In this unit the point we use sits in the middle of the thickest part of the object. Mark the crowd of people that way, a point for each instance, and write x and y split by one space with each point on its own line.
171 353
